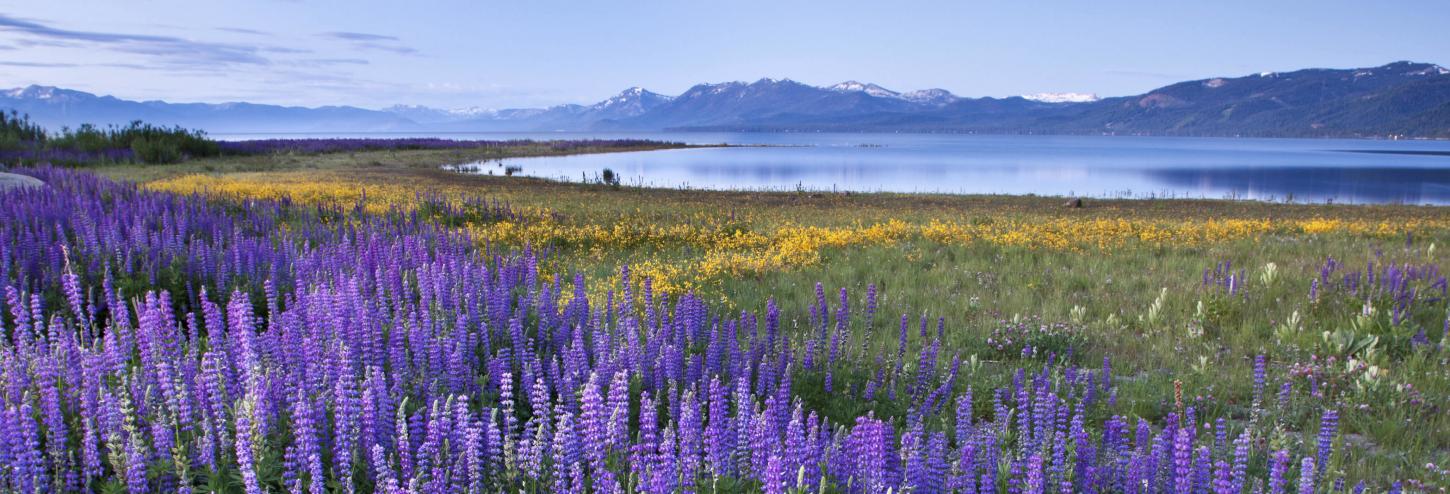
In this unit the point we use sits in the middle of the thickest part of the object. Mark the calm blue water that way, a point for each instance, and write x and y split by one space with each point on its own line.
1302 170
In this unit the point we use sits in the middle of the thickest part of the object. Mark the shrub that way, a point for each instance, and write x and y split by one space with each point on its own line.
27 142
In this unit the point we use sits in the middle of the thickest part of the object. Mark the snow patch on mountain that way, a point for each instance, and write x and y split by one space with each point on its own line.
1061 97
36 92
717 88
632 95
426 114
630 102
932 96
1430 70
869 89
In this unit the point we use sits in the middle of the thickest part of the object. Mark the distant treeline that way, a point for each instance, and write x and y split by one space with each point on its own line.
23 141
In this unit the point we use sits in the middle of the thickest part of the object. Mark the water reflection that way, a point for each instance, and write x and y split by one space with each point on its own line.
1268 169
1319 184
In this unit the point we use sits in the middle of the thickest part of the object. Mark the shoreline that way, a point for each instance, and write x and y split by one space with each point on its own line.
431 166
226 136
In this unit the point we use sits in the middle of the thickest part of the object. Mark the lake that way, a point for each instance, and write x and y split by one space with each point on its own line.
1301 170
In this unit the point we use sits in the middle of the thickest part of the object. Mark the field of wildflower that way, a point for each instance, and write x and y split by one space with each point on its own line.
369 322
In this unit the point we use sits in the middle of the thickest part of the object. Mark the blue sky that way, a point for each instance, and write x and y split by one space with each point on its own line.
543 52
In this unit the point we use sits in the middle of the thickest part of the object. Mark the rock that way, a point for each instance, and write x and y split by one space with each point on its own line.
16 181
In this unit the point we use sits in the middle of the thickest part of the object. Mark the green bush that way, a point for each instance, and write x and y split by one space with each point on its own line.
155 151
17 132
148 143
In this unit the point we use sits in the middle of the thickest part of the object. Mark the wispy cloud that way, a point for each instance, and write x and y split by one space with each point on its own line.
169 49
401 50
133 66
37 64
282 49
214 61
335 61
370 41
243 30
351 36
65 65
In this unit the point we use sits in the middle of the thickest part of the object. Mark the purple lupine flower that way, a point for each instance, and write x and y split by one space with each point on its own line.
1015 477
1328 427
1306 475
838 337
566 450
719 431
533 447
309 451
1222 478
1259 365
866 445
1278 468
1240 462
347 412
1182 462
691 432
663 477
136 463
1036 484
593 420
28 472
246 443
1203 470
386 483
964 417
870 318
936 466
774 480
617 429
645 447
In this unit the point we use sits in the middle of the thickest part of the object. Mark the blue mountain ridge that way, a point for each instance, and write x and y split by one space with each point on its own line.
1401 99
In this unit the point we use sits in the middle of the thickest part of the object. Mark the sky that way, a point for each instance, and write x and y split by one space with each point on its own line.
504 54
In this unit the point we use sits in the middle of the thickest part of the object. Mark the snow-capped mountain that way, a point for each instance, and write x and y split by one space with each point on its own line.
930 96
37 92
870 89
629 103
426 115
1062 97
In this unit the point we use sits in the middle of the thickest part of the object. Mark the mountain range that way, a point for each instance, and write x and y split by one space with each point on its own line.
1398 99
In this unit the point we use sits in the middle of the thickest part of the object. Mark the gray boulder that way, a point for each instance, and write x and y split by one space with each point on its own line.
16 181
